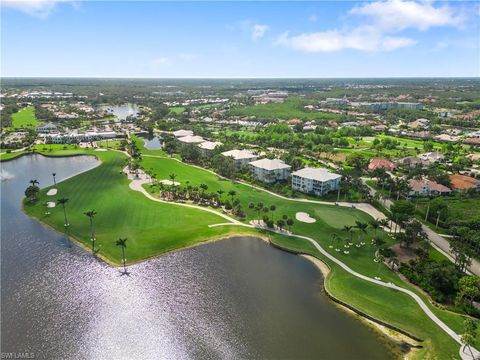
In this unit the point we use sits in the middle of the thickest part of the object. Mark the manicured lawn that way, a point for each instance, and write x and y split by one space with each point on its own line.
151 228
292 108
177 109
24 118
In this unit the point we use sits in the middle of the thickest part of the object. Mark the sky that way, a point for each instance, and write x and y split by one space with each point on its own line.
383 38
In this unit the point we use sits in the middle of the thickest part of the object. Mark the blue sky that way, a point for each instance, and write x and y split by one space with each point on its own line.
240 39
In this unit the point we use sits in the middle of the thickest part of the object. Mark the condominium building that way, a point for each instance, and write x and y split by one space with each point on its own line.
318 181
270 170
241 158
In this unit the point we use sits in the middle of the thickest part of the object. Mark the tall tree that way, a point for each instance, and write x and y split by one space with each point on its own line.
469 335
63 202
91 214
123 243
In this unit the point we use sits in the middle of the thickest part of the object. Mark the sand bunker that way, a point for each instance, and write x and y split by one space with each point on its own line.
169 182
100 149
304 217
50 204
52 192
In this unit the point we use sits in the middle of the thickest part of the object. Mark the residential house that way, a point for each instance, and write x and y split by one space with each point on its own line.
241 158
47 128
318 181
462 183
380 163
426 187
431 157
419 124
269 170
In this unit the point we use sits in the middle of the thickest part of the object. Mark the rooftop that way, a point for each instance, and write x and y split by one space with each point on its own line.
209 145
463 182
191 139
270 164
180 133
319 174
240 154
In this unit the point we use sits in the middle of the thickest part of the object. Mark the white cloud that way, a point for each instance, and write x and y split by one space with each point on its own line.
160 62
363 38
313 18
382 21
258 31
37 8
396 15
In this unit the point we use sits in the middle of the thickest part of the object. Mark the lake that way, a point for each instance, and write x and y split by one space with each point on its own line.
152 142
237 298
122 111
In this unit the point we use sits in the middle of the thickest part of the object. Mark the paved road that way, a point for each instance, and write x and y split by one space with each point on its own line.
438 242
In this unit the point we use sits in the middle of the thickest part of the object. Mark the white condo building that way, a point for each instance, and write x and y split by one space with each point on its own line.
270 171
316 181
241 158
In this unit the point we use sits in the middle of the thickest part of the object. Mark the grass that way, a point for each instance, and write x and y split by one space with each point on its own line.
154 228
292 108
24 118
151 228
177 109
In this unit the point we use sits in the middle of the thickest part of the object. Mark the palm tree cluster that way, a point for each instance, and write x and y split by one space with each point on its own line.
31 192
198 195
269 216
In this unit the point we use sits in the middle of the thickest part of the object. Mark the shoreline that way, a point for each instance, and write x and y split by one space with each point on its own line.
396 340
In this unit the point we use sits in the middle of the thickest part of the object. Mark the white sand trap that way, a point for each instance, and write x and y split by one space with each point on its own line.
52 192
304 217
50 204
169 182
100 149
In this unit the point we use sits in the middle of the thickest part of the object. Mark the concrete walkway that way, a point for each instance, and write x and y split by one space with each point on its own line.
437 241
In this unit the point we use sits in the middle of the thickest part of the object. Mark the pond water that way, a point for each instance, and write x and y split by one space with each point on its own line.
238 298
152 142
122 111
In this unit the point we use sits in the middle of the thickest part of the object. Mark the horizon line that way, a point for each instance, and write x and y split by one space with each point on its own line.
238 77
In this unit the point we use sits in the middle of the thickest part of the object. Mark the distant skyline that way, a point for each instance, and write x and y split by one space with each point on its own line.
394 38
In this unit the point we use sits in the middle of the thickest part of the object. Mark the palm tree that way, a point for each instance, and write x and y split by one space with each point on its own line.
123 243
63 202
232 194
335 238
379 258
272 209
348 229
220 193
375 225
91 214
54 180
172 178
384 222
34 182
363 230
204 188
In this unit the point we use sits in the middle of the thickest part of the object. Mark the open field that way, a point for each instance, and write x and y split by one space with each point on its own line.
177 109
292 108
24 118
